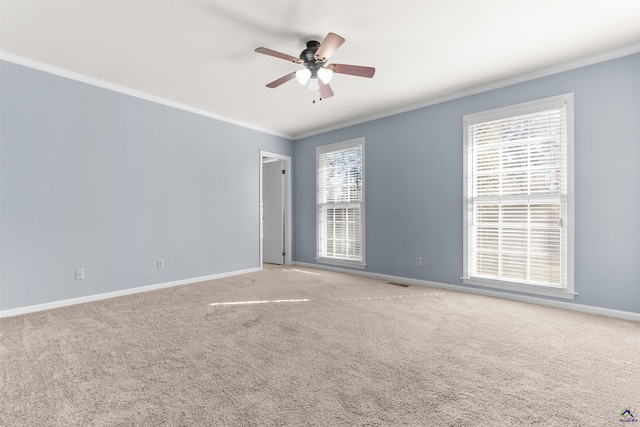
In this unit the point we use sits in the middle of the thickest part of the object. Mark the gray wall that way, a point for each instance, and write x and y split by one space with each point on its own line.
414 183
97 179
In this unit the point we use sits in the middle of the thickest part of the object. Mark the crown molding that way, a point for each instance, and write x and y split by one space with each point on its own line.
521 78
72 75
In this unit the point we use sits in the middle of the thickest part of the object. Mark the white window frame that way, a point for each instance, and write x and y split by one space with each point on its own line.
512 111
339 261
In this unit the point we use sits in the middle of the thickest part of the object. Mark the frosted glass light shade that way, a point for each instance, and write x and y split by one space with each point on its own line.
303 76
313 85
325 74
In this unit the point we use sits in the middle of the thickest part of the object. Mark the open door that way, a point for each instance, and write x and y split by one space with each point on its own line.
273 211
276 229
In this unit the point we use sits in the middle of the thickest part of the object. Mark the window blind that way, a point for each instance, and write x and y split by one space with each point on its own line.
517 198
340 202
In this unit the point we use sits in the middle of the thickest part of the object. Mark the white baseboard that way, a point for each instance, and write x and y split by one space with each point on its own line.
122 292
627 315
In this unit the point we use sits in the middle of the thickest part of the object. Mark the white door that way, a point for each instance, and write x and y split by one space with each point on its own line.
273 211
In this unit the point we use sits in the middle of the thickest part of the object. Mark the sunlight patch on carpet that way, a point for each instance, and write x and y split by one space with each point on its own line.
391 296
288 270
258 302
331 299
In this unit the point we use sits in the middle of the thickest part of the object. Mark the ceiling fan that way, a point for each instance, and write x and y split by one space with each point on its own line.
316 73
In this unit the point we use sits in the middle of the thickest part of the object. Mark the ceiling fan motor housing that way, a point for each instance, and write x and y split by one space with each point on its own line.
308 56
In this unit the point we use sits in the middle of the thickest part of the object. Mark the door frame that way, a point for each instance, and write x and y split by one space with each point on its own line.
288 229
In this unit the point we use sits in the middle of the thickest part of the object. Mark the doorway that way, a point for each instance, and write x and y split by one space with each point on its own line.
275 209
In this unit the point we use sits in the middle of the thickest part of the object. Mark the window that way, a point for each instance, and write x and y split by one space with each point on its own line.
518 197
340 203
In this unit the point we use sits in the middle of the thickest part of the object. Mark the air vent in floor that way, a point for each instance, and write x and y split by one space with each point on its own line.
398 284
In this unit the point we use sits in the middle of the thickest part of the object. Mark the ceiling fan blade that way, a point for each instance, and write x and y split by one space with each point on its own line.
328 46
354 70
280 55
325 90
281 80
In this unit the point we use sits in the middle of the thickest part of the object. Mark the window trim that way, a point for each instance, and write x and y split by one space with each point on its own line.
512 111
335 261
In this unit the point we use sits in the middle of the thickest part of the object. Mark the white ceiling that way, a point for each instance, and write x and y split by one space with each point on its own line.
200 54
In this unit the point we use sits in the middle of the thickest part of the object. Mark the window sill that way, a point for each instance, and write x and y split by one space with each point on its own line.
342 263
520 287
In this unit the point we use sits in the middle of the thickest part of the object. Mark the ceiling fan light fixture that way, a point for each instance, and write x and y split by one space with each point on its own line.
303 76
325 74
317 73
313 85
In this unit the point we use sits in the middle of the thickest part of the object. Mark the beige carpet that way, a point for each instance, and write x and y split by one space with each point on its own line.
358 352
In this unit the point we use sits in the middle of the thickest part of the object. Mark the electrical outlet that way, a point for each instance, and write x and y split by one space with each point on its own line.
160 264
418 261
79 273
